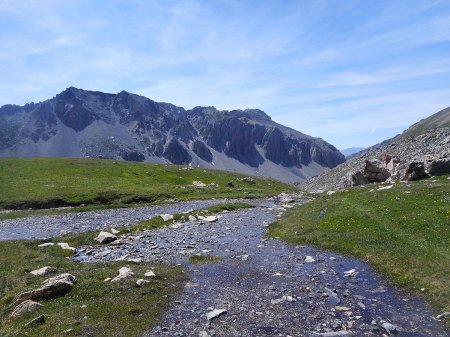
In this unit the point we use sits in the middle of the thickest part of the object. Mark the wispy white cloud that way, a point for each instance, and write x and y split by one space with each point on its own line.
351 73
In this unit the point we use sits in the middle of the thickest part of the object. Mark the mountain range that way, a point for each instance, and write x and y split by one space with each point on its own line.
125 126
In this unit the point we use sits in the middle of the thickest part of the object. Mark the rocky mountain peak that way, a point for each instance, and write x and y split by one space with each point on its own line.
83 123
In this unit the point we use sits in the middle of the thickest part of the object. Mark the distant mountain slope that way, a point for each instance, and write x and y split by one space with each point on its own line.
351 150
421 150
440 119
81 123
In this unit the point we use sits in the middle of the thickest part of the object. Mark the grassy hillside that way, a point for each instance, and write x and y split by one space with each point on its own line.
50 182
403 231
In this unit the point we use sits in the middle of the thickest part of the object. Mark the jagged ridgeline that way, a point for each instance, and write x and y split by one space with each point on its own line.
81 123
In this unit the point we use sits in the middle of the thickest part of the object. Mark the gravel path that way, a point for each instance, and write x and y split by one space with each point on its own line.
268 287
40 227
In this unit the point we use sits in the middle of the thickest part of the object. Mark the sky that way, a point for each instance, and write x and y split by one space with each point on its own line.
351 72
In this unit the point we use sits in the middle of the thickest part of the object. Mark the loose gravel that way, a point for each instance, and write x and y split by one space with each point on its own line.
265 287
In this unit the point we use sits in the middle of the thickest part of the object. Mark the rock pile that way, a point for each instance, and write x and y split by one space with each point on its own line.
401 159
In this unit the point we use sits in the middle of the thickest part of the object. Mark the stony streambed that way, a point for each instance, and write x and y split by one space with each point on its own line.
265 287
40 227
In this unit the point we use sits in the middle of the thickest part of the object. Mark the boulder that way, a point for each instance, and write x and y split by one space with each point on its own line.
51 287
374 172
25 307
415 170
105 237
354 179
439 166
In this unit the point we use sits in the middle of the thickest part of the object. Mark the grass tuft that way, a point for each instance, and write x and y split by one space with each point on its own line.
204 259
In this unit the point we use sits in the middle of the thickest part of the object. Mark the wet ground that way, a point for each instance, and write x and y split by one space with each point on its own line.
40 227
268 287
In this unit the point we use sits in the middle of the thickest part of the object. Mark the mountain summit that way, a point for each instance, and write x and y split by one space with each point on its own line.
81 123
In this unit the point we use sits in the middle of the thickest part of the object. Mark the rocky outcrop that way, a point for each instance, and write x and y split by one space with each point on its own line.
81 123
401 159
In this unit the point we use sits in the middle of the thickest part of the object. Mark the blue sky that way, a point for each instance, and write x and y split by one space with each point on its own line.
351 72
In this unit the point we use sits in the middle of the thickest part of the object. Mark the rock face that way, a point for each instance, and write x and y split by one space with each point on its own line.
54 286
402 158
79 123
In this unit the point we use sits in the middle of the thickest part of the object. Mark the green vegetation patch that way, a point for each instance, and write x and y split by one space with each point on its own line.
93 307
55 182
204 259
403 231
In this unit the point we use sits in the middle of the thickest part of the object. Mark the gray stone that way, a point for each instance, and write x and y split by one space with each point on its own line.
439 166
51 287
415 171
42 271
24 308
215 313
124 272
105 237
142 282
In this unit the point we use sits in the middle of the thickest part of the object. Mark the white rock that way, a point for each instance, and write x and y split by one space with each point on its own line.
350 273
65 246
215 313
342 333
142 282
42 271
46 244
309 259
192 218
137 260
331 192
107 279
385 188
339 308
105 237
166 217
277 274
443 315
198 183
285 298
114 231
149 273
124 272
204 334
211 218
